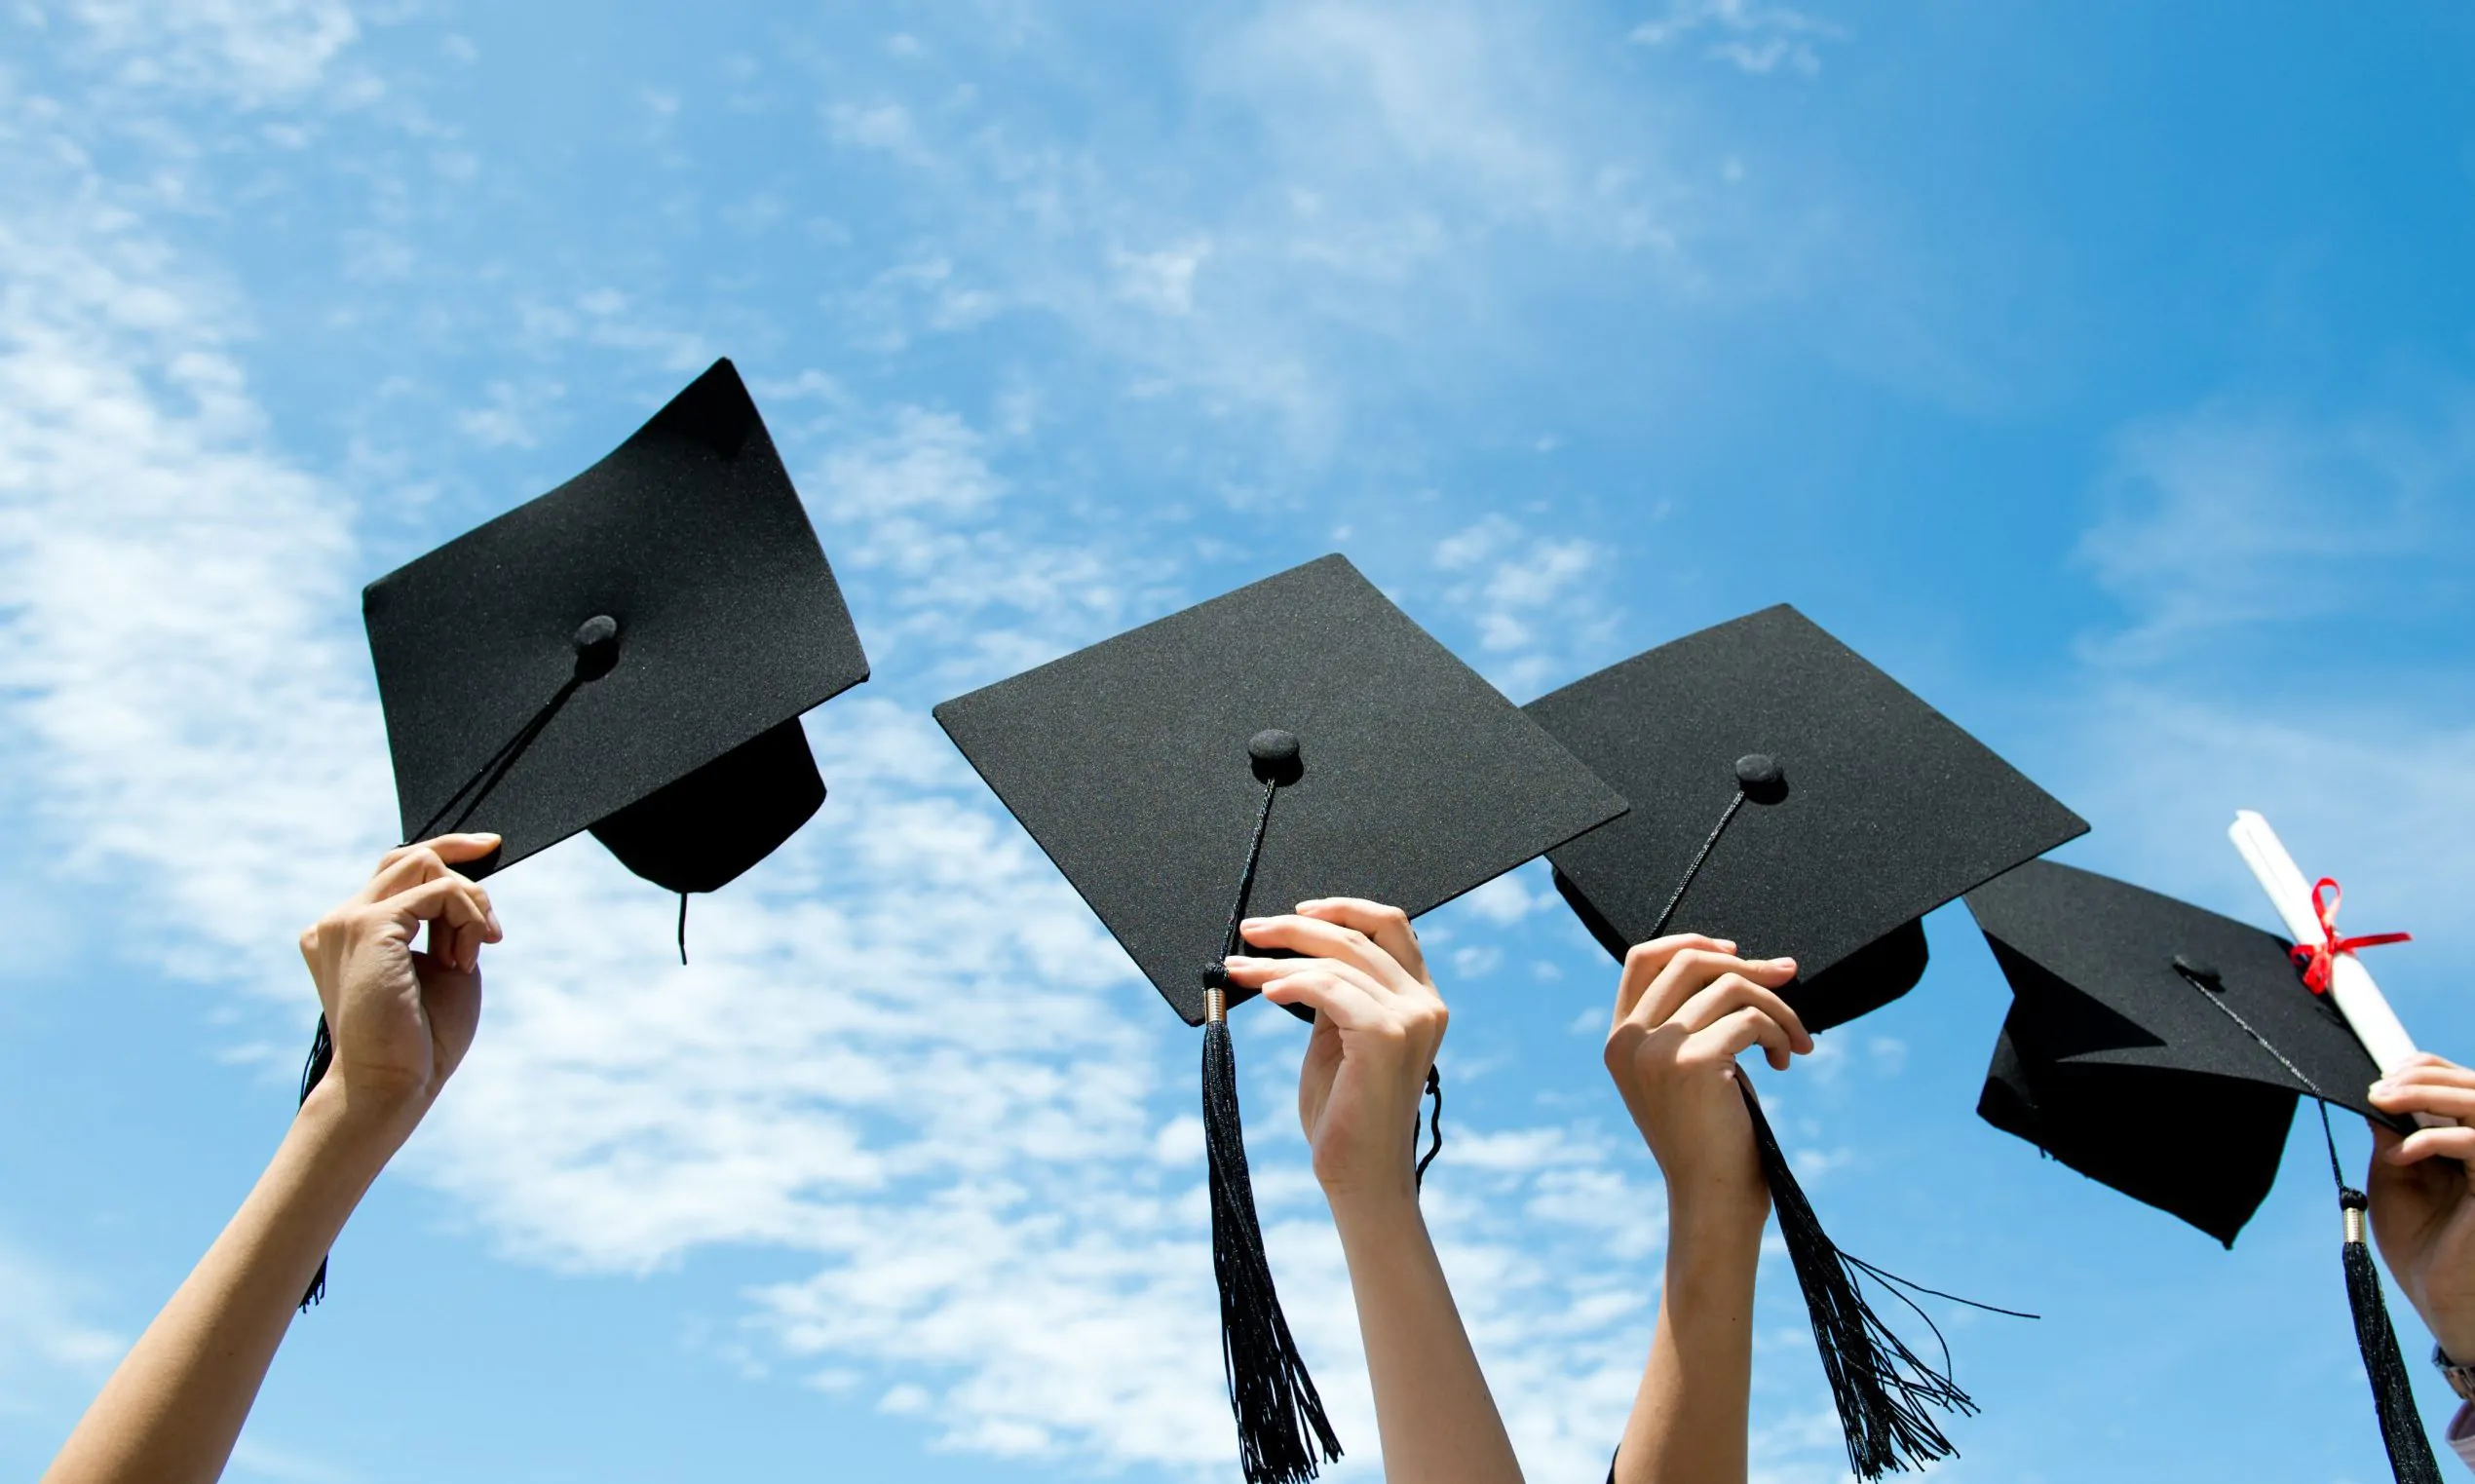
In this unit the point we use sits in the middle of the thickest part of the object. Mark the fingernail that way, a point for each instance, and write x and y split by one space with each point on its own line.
1784 962
1727 943
2381 1088
496 932
1253 922
1236 961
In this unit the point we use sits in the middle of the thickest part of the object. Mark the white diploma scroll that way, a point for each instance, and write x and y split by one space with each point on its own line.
2350 985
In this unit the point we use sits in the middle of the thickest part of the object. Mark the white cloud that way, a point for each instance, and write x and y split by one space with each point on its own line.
1536 601
1746 34
253 51
1504 900
42 1337
2232 518
2238 539
1357 184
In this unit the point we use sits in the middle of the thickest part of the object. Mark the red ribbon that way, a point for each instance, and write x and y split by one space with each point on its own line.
2316 960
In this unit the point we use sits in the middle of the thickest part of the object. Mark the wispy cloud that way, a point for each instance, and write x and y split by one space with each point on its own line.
2231 518
45 1340
1536 601
1746 34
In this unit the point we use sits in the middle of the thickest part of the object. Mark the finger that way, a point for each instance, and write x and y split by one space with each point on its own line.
406 864
1643 962
1333 998
2424 1143
401 870
1694 969
1734 992
1735 1033
1255 972
1388 926
455 850
1330 940
448 898
2427 1071
2449 1100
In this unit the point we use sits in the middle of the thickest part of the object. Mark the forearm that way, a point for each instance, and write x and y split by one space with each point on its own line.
174 1407
1689 1415
1439 1424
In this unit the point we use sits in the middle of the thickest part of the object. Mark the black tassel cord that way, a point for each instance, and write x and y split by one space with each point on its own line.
322 1056
1281 1424
2401 1434
1886 1393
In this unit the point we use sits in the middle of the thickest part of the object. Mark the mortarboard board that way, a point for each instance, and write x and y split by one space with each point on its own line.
1790 797
2120 1025
2134 1012
1863 806
1298 737
628 654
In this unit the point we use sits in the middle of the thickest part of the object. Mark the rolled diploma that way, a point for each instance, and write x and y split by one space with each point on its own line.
2350 985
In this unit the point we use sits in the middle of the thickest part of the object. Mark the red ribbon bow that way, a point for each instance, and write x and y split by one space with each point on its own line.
2316 960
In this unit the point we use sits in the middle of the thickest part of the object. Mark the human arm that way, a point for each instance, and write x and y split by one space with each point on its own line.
401 1021
1686 1007
1378 1023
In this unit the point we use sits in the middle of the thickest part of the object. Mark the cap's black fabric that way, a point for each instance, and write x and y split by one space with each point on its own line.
1864 808
628 651
701 832
2113 1050
1128 762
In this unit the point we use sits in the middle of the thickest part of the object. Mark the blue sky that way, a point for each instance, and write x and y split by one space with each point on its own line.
2102 371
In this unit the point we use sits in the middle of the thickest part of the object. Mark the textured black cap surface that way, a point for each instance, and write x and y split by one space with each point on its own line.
511 710
1872 809
2113 1051
1130 762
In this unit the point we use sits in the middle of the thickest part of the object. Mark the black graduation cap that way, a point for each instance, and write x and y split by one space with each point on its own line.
2129 1012
628 654
1790 797
1299 737
2133 1013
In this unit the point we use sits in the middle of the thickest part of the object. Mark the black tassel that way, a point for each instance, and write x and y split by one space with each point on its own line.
2401 1429
1269 1389
1435 1125
1883 1391
321 1056
683 930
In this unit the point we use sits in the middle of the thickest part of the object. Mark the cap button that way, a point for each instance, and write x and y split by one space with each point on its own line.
596 641
2197 969
1273 753
1758 774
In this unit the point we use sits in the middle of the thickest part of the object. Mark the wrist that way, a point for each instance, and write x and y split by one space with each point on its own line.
1361 1213
355 1125
2456 1340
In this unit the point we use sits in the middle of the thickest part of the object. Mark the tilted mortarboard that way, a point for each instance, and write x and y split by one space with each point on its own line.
628 654
2134 1014
1299 737
1789 796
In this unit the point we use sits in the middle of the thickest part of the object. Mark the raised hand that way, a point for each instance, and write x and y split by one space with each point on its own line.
1686 1007
1378 1022
2423 1190
401 1017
